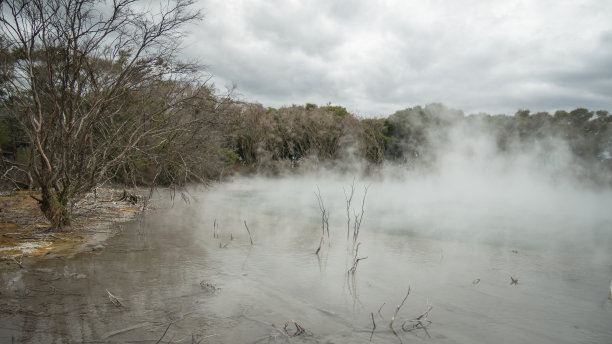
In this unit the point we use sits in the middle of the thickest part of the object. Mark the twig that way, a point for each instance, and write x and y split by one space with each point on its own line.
398 308
299 329
248 231
319 248
359 216
420 322
159 340
373 323
348 199
324 214
381 306
374 326
356 260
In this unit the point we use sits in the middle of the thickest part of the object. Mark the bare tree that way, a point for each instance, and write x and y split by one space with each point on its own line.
92 82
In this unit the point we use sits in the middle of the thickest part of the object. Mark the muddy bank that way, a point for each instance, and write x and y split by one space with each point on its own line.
25 232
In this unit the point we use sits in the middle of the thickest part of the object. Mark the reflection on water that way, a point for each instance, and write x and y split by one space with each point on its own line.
155 267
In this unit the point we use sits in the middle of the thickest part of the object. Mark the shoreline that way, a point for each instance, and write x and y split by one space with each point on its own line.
24 231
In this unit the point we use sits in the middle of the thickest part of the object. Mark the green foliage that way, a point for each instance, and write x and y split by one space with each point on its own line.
229 157
337 110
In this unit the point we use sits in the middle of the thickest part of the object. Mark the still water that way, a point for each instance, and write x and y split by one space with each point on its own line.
455 251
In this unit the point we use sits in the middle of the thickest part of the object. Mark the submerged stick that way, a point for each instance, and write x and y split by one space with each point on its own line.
248 231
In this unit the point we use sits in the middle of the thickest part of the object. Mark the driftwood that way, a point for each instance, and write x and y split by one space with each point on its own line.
113 299
513 280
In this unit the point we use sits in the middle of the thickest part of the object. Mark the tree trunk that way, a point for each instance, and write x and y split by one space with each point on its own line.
55 208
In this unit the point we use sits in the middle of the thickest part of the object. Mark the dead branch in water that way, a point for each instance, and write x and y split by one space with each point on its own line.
381 307
299 329
159 340
324 214
349 199
513 280
356 260
248 231
215 229
319 248
359 217
113 299
420 322
373 327
398 308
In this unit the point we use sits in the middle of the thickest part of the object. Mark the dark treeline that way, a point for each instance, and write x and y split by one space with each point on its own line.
248 138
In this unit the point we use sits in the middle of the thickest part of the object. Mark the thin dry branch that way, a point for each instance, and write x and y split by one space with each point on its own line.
359 217
398 308
324 214
159 340
248 231
299 329
380 309
319 248
356 260
420 322
349 199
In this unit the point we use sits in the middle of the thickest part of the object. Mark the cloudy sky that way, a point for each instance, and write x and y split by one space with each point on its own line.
375 57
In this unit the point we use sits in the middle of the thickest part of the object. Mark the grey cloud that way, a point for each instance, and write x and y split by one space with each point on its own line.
378 57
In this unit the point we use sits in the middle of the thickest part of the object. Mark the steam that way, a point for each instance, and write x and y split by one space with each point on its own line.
529 195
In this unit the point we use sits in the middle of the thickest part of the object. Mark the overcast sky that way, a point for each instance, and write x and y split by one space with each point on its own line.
375 57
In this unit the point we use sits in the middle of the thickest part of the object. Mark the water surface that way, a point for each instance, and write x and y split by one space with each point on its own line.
438 245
